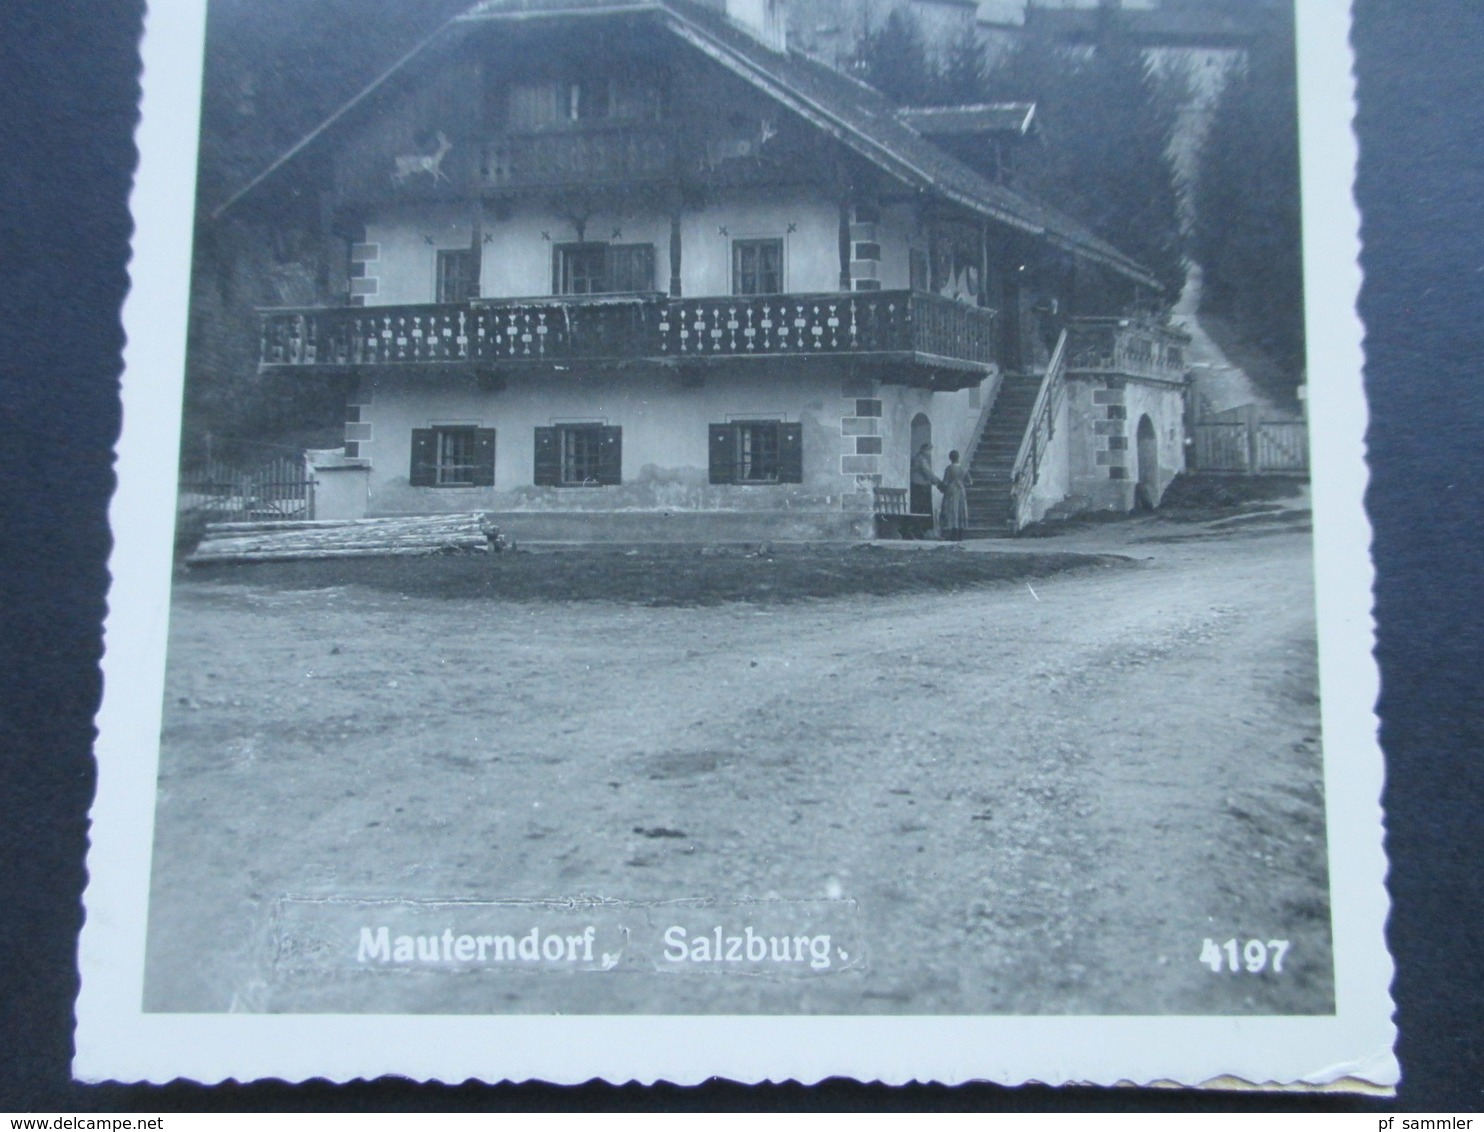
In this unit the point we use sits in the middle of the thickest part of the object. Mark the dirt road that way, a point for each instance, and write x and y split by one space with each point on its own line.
1042 798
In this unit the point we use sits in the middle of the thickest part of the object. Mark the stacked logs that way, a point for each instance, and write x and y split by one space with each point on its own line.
345 538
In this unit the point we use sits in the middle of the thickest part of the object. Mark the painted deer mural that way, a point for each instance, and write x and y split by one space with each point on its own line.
747 144
431 163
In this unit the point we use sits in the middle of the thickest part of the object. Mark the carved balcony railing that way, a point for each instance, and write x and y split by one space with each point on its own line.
932 332
488 331
579 157
863 322
1127 347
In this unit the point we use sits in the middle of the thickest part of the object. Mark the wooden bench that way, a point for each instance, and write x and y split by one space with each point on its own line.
894 518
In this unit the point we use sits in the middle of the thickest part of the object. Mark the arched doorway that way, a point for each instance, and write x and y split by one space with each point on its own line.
1146 491
921 494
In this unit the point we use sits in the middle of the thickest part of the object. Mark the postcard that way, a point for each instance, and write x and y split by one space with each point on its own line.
771 539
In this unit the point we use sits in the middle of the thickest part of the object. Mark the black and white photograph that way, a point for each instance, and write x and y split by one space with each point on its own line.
763 510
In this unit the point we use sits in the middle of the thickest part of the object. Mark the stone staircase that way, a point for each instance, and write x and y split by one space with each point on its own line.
991 504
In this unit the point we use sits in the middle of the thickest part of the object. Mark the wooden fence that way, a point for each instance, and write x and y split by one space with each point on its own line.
278 490
1240 441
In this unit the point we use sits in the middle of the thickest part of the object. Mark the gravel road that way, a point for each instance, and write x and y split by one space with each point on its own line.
1042 798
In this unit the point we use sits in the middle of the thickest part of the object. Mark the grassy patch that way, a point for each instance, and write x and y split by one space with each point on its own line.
1201 497
665 576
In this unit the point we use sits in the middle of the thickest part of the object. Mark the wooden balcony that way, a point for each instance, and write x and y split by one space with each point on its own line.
1126 347
917 338
920 327
558 158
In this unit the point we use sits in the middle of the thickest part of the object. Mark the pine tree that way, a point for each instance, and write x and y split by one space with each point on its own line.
1247 224
274 70
961 76
894 58
1106 122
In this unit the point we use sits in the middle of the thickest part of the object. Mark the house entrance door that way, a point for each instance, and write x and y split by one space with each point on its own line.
1146 494
1011 354
921 500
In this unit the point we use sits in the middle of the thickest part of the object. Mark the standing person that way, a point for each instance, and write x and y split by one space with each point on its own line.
954 518
924 479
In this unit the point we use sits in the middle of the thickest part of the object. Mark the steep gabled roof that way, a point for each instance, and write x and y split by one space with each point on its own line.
866 121
855 114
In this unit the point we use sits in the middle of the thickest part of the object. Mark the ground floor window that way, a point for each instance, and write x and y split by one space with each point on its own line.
582 455
757 452
453 456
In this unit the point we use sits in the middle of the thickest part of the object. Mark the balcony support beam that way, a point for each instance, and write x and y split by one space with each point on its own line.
844 242
675 250
984 264
476 243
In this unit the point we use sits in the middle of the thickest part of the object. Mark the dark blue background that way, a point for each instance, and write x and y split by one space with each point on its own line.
68 72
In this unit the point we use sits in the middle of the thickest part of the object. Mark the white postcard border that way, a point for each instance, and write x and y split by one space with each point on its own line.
117 1041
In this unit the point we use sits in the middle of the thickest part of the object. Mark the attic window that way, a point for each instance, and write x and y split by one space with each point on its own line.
551 104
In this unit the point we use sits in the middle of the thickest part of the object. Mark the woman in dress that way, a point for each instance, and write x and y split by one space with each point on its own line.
954 516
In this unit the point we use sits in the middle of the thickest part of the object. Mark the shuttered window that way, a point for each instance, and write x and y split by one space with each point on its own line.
602 269
581 269
579 455
630 267
757 452
452 457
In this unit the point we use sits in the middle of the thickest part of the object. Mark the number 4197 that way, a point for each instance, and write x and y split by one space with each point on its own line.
1252 956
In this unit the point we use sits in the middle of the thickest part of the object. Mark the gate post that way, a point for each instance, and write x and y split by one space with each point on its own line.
306 471
1250 412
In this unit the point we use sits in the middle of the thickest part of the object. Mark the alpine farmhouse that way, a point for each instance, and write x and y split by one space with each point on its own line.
639 270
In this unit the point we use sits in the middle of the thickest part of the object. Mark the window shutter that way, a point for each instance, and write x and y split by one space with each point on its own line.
548 456
484 458
610 455
723 453
424 471
790 453
631 267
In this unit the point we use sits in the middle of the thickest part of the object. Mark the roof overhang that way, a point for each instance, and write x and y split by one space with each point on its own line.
978 120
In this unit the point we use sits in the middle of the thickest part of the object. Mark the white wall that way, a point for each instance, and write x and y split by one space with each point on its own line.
517 259
1103 430
665 436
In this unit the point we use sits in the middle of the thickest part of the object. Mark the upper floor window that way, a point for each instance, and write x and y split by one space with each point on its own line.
757 267
602 269
917 261
591 99
458 277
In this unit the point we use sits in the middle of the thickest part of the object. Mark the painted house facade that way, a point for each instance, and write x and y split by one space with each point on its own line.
640 270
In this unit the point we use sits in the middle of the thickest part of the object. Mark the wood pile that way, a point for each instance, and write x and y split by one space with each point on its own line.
345 538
